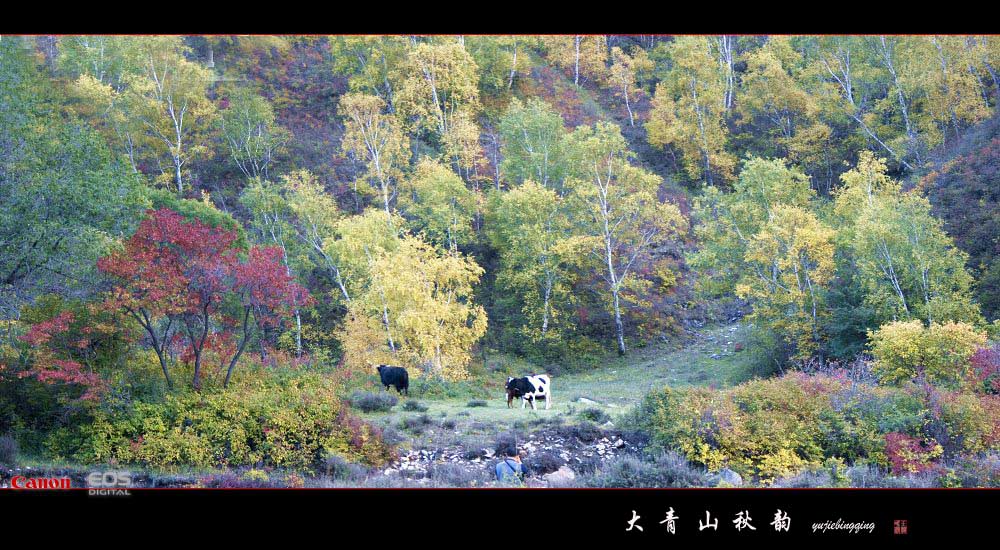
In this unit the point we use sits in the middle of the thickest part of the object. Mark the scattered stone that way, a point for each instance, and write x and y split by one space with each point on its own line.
588 401
730 477
561 477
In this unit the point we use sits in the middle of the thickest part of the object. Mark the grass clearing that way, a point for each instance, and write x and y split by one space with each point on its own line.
708 359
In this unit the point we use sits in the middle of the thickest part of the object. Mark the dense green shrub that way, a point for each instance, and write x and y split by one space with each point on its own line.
290 423
769 429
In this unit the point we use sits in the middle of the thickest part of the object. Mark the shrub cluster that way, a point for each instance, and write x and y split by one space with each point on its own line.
294 423
456 475
373 402
769 429
543 463
595 415
414 406
416 424
664 470
585 431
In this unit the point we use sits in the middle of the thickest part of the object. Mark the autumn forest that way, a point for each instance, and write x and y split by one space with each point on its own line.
743 260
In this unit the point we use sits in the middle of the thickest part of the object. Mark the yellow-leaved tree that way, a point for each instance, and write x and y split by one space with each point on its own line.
763 242
773 96
425 297
939 353
792 263
439 81
375 138
583 56
624 73
621 213
169 98
908 267
688 110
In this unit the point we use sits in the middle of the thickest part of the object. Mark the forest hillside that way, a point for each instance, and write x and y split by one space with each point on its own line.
765 260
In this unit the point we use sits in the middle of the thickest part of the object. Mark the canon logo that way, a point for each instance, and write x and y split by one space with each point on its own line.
21 482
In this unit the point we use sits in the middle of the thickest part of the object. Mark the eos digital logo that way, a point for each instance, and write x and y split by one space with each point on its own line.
112 483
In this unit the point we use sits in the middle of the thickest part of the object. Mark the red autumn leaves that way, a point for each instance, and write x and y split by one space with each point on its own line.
187 282
59 347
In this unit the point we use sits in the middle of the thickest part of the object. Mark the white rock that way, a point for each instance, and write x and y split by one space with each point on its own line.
561 477
730 477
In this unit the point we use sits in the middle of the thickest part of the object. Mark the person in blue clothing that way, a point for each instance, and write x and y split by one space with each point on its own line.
511 468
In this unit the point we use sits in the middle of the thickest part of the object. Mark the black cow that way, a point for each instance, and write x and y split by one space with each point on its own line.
396 377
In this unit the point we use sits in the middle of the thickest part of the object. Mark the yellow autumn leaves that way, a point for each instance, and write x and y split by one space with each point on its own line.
775 244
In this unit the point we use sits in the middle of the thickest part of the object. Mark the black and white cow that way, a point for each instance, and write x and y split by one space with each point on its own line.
395 376
529 388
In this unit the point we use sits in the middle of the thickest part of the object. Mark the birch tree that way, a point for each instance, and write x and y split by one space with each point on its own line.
426 298
623 213
249 129
773 97
315 218
624 73
442 206
540 252
439 81
908 266
271 218
688 111
533 145
852 76
763 242
377 139
170 100
371 64
585 57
